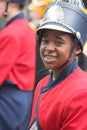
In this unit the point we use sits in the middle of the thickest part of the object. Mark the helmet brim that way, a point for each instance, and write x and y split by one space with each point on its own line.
54 27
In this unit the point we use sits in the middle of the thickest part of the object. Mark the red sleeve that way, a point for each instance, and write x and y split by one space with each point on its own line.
9 50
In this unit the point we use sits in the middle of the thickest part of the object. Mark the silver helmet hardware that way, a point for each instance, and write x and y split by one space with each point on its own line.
56 12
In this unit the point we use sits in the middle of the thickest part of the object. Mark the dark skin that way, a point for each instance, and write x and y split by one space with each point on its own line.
55 49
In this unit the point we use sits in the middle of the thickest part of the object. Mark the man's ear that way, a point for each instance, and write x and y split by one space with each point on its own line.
77 50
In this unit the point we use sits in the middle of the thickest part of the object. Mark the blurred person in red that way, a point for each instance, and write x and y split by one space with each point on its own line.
17 66
60 98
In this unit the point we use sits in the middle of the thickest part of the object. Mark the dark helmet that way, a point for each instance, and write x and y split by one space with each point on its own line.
65 17
20 2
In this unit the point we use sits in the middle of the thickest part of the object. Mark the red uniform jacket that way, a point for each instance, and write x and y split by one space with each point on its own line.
63 106
17 54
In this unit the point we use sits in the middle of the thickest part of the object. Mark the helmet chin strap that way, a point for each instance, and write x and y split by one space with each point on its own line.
75 42
71 51
7 3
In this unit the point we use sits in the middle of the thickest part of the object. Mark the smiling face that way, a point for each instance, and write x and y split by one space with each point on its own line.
55 49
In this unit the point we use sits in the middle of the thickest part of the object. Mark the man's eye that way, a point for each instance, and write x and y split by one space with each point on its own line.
44 42
59 43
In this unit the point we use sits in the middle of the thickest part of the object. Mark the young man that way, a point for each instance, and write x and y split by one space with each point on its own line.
60 98
17 66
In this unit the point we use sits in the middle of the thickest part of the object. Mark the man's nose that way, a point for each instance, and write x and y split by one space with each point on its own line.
50 46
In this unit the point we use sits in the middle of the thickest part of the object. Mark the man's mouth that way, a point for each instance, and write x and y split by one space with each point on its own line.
49 58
